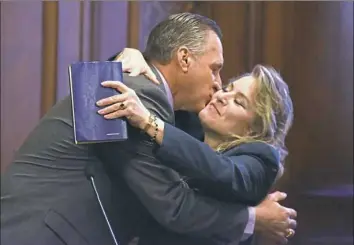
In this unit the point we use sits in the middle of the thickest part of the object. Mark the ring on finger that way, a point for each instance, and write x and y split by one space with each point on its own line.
122 106
289 233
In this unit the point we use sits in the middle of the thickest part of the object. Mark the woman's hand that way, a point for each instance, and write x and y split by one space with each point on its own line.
134 63
127 104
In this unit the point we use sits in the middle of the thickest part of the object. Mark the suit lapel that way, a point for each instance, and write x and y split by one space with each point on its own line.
161 86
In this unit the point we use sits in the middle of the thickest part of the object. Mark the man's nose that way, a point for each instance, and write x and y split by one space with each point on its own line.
216 86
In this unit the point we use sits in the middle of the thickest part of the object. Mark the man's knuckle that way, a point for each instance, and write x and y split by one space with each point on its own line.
114 107
293 224
131 101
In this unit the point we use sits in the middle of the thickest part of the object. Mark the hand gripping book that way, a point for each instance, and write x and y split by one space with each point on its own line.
85 90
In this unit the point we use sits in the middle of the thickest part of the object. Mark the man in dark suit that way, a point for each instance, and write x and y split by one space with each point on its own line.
46 198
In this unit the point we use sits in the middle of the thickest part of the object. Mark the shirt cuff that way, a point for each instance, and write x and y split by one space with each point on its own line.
250 224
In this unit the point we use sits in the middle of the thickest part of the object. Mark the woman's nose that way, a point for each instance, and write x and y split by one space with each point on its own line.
221 97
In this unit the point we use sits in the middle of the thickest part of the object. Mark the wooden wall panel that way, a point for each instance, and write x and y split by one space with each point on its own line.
320 141
49 55
311 44
134 10
235 51
255 30
273 34
323 111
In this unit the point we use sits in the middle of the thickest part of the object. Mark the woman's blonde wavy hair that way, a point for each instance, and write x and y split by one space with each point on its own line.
274 112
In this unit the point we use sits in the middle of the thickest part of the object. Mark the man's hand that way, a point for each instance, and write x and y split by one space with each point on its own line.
273 221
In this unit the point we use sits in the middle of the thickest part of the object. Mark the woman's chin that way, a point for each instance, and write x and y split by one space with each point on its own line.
209 124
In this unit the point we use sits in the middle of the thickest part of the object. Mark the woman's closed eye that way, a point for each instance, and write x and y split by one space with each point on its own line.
240 103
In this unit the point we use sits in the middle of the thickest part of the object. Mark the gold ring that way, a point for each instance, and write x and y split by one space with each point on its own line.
289 234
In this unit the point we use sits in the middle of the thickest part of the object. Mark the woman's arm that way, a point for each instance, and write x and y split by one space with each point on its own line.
248 173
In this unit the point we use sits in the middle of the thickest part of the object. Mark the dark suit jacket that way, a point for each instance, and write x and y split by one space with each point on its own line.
189 122
243 174
46 198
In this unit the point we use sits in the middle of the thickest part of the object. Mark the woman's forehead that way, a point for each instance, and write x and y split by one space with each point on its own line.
243 82
234 79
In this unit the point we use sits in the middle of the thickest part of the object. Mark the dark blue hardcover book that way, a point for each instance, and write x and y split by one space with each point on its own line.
85 90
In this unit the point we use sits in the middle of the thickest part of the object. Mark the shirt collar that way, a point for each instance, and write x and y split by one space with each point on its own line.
167 87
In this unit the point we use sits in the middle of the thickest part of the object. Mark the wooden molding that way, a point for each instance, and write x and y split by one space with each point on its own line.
49 55
133 24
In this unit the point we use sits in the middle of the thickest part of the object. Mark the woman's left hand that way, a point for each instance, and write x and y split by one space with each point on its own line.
127 104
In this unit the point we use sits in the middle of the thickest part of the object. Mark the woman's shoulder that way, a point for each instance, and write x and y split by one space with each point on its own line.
262 150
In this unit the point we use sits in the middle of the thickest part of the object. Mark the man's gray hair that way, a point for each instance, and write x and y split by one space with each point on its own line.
184 29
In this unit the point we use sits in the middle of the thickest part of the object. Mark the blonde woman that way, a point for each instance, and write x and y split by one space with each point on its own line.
245 126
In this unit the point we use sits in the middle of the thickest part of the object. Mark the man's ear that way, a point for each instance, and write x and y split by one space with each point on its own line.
184 58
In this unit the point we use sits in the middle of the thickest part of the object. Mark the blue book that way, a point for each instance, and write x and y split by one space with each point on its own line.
85 90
